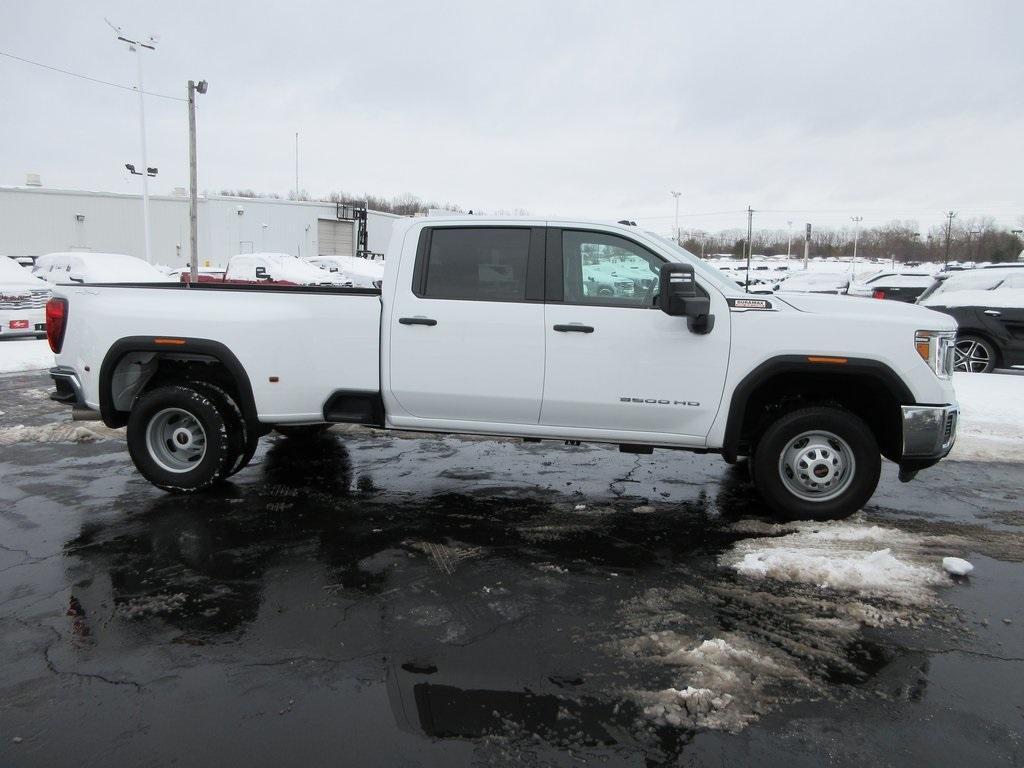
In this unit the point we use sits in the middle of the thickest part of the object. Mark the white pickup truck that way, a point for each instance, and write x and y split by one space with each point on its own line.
500 327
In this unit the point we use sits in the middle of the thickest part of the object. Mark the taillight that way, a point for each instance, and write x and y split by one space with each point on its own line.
878 295
56 322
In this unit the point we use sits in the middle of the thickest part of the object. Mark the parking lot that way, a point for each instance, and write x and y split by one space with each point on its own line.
381 599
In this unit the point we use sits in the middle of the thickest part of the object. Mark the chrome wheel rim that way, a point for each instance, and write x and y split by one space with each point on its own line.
971 356
176 440
816 465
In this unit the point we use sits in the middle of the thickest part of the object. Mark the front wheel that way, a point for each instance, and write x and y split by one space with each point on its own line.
178 438
817 463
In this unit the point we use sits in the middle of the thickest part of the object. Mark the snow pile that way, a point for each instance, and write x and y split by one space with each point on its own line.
956 566
843 555
991 426
60 432
791 602
724 682
875 571
25 355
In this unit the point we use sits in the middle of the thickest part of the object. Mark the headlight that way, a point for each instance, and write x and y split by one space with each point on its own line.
936 349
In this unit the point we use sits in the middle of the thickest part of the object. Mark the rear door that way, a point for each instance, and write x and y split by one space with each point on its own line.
1005 319
614 361
466 335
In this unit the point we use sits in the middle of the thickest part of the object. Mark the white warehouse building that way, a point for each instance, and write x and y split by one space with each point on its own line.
36 220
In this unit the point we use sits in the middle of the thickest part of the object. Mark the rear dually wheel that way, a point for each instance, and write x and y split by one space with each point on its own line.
179 439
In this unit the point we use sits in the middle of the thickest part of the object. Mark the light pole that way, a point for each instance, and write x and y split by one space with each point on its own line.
750 246
789 239
136 47
856 236
949 231
677 195
193 182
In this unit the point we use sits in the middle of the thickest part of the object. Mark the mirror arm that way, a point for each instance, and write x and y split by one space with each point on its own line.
701 324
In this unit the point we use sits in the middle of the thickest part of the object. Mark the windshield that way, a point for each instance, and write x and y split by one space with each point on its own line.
713 274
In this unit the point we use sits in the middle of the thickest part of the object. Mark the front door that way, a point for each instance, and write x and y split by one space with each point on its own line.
614 361
467 342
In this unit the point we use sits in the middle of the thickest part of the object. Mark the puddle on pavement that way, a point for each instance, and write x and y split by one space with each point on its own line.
508 616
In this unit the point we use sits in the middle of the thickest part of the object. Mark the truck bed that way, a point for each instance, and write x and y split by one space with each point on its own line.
298 344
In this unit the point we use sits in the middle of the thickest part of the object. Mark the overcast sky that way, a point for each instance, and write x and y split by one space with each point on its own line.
808 111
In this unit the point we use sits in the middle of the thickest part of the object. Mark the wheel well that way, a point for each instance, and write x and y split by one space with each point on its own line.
133 367
864 394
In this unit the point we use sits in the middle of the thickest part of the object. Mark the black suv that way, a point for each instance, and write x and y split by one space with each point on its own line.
988 305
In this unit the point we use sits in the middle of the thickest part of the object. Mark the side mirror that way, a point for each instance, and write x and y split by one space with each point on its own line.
261 273
679 296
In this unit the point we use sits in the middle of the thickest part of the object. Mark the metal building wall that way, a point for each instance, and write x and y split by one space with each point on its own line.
34 221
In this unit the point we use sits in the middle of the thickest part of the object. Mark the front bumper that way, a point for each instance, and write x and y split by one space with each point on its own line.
929 432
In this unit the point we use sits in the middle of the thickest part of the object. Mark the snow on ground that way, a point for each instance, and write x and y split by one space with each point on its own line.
807 590
868 560
25 355
59 432
991 424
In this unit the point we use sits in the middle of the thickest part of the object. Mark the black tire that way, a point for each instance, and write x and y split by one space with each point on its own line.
152 407
243 441
301 431
854 486
974 354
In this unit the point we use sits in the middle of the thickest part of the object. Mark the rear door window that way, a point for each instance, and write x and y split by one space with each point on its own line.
476 264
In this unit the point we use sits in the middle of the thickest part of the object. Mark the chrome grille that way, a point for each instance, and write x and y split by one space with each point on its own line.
36 298
949 429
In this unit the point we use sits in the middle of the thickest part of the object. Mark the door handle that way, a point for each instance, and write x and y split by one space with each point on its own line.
417 321
575 328
992 313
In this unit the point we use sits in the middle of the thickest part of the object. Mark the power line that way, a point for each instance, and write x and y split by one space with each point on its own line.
86 77
691 215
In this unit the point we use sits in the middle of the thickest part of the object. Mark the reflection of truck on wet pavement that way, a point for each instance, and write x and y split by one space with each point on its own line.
488 327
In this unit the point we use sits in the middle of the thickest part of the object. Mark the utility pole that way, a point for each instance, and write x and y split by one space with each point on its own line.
750 245
677 195
807 244
193 182
296 165
856 236
136 47
789 239
949 231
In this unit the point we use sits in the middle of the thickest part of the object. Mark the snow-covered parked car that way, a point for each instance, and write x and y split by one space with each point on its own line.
279 269
988 306
815 282
864 285
362 273
22 300
893 286
88 267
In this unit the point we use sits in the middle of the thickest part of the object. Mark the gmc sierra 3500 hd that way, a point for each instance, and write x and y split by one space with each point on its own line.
562 330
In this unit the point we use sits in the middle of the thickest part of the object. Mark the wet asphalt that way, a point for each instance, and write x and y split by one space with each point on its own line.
374 599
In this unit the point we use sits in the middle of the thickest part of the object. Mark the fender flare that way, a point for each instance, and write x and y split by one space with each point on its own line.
782 364
189 346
